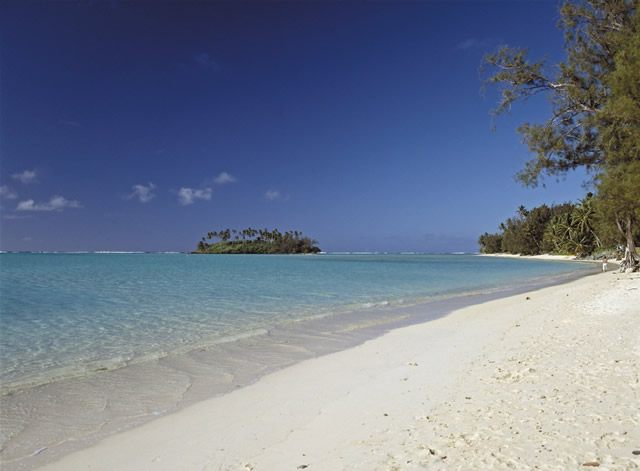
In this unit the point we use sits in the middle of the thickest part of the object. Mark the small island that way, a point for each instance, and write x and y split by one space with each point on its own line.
257 241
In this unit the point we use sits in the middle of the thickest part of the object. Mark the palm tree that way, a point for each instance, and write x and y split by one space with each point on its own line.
522 212
582 218
554 233
567 231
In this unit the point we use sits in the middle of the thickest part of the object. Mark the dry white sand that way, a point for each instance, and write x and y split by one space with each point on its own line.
546 380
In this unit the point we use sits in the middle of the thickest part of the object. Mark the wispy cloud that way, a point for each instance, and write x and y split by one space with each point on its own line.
56 203
66 122
188 196
478 43
143 193
224 177
273 195
206 62
8 193
28 176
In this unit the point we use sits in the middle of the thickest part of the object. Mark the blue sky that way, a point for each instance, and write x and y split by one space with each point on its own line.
145 125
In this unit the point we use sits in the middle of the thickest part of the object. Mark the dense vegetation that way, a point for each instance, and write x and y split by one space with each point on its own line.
594 124
575 229
253 241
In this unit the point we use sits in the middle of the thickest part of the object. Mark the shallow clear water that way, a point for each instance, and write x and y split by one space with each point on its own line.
116 337
65 313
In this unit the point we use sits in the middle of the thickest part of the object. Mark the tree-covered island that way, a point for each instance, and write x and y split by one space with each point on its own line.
257 241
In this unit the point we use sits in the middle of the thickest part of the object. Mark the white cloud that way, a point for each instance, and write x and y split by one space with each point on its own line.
8 193
468 43
224 177
56 203
28 176
66 122
478 43
143 193
206 62
272 195
189 195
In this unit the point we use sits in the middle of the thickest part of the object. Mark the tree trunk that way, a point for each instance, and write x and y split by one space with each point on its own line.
598 243
625 229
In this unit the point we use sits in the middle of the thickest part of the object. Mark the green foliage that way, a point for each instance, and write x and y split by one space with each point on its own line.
559 229
594 123
265 242
619 202
513 236
490 243
577 87
619 184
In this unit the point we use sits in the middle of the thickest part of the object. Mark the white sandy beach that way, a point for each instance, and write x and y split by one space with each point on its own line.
559 258
546 380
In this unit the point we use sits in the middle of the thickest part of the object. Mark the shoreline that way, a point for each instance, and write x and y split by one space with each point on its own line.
261 355
613 264
557 258
391 384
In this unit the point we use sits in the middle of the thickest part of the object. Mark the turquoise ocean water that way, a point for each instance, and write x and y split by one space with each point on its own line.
102 342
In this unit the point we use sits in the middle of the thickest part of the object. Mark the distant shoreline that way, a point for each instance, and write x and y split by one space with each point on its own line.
197 253
613 265
558 258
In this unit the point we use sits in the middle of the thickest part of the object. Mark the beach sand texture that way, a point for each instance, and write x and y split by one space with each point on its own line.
547 380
